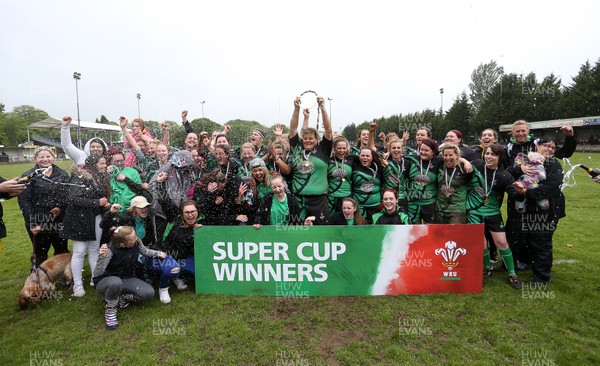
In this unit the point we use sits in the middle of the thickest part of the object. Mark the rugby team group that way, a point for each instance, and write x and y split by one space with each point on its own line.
148 199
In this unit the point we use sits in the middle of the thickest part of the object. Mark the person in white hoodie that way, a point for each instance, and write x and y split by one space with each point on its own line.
93 146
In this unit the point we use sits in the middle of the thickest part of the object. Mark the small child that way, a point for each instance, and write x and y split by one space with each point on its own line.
114 275
532 180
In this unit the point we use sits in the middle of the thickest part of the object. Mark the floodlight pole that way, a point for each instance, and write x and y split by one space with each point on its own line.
330 113
202 102
138 98
77 77
442 105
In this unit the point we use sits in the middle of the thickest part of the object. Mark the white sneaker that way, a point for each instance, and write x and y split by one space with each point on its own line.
180 284
78 291
92 283
163 293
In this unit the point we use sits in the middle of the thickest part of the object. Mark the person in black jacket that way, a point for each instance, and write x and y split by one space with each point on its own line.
179 236
488 137
522 142
42 205
86 202
139 217
538 224
279 207
391 213
114 275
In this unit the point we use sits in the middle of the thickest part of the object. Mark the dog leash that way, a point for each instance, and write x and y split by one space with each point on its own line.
34 265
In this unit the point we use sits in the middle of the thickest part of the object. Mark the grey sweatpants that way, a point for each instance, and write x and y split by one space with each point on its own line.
111 287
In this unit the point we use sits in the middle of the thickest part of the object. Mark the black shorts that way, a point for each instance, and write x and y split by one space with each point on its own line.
493 224
314 206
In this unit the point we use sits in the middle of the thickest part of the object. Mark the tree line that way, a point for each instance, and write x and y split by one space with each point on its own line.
497 98
494 98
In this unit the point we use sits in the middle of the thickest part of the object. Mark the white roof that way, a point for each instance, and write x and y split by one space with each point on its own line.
52 123
557 123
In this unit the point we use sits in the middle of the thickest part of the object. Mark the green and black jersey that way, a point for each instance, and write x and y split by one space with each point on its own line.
339 173
485 199
366 184
392 174
262 189
453 186
309 168
244 171
146 165
419 185
354 150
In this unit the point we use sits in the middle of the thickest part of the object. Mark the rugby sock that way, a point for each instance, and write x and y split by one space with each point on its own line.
124 300
507 257
110 314
486 259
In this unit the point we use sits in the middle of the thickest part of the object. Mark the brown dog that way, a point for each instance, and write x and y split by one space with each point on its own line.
41 286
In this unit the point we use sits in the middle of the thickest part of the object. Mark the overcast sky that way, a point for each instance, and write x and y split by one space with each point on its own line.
249 59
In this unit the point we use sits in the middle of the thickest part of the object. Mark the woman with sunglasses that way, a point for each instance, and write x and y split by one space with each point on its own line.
178 239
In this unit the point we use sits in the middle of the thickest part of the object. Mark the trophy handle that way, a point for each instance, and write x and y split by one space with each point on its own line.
308 100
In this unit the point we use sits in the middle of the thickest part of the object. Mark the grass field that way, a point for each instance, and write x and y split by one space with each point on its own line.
554 325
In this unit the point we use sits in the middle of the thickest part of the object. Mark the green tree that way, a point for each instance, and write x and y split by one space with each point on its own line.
546 99
582 97
205 124
459 116
104 121
350 132
241 131
14 129
483 79
508 101
30 114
